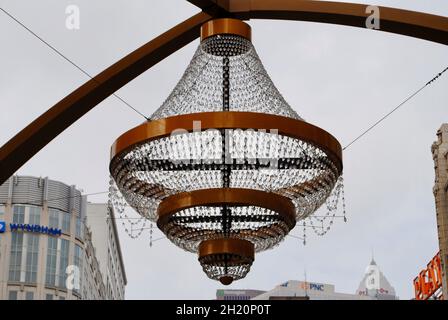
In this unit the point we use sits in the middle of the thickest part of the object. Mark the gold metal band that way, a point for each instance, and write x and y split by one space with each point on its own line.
290 127
241 252
225 196
225 26
235 246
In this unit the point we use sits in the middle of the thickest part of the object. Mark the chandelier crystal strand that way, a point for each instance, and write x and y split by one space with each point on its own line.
304 232
343 201
118 204
225 166
332 205
150 235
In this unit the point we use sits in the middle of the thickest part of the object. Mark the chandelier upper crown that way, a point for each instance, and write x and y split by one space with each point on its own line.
226 26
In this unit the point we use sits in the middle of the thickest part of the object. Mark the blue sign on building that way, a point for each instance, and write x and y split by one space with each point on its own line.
318 287
2 226
35 228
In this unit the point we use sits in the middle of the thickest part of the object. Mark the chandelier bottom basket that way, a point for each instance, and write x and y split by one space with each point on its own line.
225 226
226 259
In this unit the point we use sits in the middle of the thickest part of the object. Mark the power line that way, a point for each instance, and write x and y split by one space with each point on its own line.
395 109
131 107
67 59
295 237
157 239
140 113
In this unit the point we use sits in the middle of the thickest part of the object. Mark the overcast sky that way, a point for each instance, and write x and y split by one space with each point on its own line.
339 78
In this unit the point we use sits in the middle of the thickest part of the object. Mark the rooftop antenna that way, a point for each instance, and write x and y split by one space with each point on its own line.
306 285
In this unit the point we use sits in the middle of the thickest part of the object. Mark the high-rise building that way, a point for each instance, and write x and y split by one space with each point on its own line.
101 218
93 287
373 286
440 155
304 290
46 250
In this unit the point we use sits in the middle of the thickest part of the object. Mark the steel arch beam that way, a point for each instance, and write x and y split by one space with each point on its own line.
410 23
24 145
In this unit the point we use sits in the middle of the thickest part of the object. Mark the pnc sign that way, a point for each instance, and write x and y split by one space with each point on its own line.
2 226
312 286
317 287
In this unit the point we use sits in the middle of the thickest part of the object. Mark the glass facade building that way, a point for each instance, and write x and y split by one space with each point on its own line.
45 242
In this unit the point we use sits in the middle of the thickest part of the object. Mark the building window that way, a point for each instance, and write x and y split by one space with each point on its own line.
29 295
12 295
52 250
48 296
59 220
78 262
54 219
15 262
78 256
34 215
61 298
32 255
79 227
65 222
18 214
63 262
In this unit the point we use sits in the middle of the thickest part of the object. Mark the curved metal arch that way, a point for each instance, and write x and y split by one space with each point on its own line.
25 144
404 22
30 140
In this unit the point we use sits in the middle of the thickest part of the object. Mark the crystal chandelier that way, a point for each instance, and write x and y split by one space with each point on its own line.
225 166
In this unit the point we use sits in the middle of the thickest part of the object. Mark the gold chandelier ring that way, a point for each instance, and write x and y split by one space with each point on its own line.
294 128
234 246
225 196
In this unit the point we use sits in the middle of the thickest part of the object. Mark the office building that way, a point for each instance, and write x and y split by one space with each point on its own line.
302 290
373 286
440 155
46 249
101 218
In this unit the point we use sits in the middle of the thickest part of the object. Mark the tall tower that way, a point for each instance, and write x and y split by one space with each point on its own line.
440 155
375 284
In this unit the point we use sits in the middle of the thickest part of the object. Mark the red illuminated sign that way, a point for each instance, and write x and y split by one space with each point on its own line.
429 280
